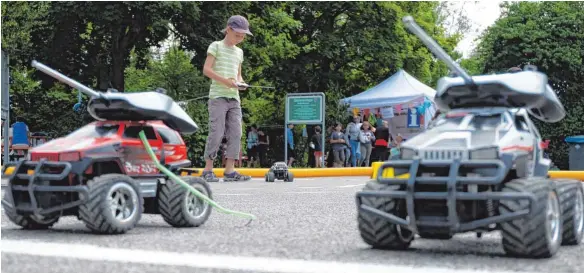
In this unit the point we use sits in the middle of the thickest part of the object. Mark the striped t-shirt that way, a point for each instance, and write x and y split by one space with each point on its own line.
227 61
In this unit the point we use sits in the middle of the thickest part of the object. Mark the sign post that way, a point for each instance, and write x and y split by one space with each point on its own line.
6 106
305 108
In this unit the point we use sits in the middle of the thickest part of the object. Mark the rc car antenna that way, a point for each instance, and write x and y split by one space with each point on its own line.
64 79
437 50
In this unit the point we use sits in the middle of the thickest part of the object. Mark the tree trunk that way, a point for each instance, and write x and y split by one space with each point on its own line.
118 66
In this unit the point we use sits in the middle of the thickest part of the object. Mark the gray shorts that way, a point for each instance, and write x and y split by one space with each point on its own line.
224 120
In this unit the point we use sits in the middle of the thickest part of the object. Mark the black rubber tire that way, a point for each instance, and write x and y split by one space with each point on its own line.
377 232
289 177
528 236
96 212
26 222
570 192
172 202
271 177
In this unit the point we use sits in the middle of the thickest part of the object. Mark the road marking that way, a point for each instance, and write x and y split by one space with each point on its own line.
233 194
194 260
308 192
242 189
351 186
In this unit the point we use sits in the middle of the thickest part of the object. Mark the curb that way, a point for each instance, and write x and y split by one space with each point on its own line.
357 171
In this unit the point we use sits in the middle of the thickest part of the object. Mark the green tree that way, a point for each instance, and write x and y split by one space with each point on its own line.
90 42
182 81
549 35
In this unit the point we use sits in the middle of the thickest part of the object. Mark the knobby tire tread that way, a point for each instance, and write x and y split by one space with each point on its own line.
25 221
376 231
92 212
170 202
526 236
567 190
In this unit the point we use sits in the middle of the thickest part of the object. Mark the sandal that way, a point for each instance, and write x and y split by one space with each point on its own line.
209 176
235 176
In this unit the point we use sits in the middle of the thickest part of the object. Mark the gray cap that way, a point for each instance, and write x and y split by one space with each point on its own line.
239 24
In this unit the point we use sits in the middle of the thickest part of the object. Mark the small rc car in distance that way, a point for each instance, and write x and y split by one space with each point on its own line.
279 171
478 168
102 172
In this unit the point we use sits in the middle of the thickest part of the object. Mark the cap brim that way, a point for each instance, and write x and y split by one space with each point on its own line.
246 31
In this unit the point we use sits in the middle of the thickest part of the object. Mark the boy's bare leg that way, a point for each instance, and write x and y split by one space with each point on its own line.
208 174
230 165
208 165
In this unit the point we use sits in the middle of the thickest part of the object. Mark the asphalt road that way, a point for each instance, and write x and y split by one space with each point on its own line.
305 226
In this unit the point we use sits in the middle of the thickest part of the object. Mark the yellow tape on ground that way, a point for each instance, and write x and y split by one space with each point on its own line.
567 174
388 172
300 172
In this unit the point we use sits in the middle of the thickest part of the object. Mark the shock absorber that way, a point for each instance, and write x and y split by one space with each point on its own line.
490 208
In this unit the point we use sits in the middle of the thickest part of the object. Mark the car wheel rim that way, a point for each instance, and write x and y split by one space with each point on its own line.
123 201
579 213
553 219
194 206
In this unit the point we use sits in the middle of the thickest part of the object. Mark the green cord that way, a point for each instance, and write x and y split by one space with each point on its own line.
189 187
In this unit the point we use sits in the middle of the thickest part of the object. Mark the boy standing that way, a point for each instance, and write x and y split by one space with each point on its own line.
223 66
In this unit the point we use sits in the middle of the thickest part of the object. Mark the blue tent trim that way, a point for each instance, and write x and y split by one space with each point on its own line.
400 88
575 139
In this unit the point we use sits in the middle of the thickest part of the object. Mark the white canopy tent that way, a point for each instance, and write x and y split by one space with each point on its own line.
397 97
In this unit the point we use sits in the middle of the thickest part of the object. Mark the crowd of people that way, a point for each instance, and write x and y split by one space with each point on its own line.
356 144
363 140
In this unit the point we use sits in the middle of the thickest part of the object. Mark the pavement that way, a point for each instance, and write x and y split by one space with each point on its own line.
305 226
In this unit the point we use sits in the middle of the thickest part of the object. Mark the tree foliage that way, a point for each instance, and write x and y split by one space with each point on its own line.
549 35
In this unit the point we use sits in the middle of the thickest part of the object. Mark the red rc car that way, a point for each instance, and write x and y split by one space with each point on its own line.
102 172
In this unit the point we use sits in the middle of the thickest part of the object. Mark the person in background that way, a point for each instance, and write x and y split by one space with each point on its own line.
381 150
380 120
396 146
252 143
262 148
20 140
290 144
367 138
317 142
20 133
329 148
338 145
347 162
370 117
353 130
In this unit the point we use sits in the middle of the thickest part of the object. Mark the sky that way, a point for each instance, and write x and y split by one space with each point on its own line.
483 14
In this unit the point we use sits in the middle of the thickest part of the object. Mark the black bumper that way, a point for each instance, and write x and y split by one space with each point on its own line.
451 195
20 181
